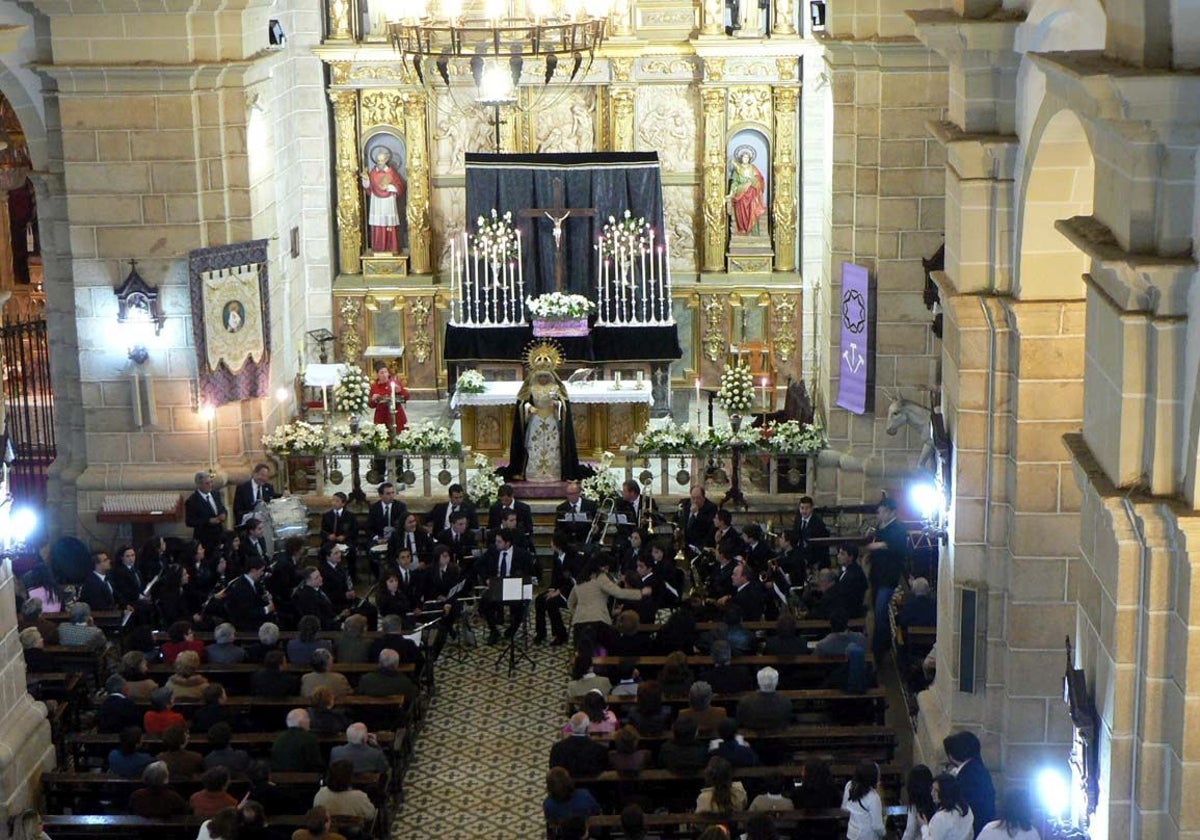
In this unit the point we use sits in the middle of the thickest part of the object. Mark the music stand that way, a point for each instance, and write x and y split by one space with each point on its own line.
507 592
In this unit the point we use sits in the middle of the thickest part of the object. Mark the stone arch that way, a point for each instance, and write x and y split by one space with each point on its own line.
1058 180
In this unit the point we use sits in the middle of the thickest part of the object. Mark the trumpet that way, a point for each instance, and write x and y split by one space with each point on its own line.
600 522
646 515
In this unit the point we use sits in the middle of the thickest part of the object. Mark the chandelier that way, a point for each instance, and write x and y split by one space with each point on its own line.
494 42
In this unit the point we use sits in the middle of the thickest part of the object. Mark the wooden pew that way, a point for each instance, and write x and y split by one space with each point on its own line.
873 701
126 827
236 678
811 825
804 626
88 661
843 743
271 712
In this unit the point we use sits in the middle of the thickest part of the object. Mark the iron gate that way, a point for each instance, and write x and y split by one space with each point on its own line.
30 401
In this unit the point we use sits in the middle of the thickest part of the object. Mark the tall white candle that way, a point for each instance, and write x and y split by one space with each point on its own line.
670 302
764 392
645 285
600 278
392 396
520 280
455 290
651 303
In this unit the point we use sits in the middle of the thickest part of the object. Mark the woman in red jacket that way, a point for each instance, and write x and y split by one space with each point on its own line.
382 391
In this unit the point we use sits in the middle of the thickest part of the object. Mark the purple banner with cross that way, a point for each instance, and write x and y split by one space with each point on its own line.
857 342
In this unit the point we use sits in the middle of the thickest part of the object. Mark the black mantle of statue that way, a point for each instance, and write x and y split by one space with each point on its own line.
602 344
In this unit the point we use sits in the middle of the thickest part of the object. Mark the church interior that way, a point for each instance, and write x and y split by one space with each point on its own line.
764 285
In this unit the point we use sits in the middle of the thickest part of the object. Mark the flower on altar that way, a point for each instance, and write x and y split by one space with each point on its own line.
371 437
559 305
470 382
721 438
295 438
625 237
666 438
792 437
737 388
495 237
483 485
353 392
602 484
426 437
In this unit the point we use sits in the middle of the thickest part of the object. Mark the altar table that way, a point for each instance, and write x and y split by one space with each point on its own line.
606 419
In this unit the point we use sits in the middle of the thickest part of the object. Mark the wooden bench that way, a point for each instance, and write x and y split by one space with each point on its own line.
873 702
88 661
271 712
827 824
237 678
124 826
804 626
801 741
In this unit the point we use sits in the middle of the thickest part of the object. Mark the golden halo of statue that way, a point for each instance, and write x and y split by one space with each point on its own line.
543 354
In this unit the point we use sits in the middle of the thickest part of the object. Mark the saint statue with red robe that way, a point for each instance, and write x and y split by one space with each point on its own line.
746 186
385 190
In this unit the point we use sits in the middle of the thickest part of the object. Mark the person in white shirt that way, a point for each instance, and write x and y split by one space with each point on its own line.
861 800
1016 819
953 819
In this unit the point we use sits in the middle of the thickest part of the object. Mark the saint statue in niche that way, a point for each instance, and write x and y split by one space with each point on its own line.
745 199
385 192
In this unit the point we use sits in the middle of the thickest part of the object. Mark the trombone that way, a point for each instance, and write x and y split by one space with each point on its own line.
646 514
599 529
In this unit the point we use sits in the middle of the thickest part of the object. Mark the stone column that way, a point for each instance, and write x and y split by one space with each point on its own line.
349 190
716 220
417 207
783 177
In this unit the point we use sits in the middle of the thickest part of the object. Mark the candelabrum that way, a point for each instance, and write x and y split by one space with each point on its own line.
634 281
487 283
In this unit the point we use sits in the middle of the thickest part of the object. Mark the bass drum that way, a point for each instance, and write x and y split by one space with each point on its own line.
71 560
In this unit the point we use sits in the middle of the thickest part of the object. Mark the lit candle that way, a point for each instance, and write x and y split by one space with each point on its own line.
455 289
520 281
600 278
392 386
640 377
325 398
697 391
764 392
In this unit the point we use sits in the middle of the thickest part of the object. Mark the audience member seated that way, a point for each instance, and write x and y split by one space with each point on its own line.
31 616
785 641
181 762
818 789
625 756
774 797
138 683
602 719
268 640
272 680
761 826
161 713
388 680
214 710
579 754
741 641
649 716
720 794
633 822
296 750
1015 818
127 759
300 649
627 680
82 631
823 598
702 711
392 636
221 754
33 646
628 642
861 800
351 645
182 638
224 650
676 677
679 631
684 753
723 677
187 684
156 800
324 719
213 797
765 710
117 711
920 607
361 750
222 826
316 827
340 798
584 678
840 636
731 746
252 822
322 675
273 798
564 800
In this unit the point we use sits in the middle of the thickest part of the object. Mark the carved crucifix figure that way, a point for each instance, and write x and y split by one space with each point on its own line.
557 213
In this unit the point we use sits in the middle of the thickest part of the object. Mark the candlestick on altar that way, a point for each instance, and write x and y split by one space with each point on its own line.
600 278
520 280
764 393
645 285
325 398
670 303
699 426
392 399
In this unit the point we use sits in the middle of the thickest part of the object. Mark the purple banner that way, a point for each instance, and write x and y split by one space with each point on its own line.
857 344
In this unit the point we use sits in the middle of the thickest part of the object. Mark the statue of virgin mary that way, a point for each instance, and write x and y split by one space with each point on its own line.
543 448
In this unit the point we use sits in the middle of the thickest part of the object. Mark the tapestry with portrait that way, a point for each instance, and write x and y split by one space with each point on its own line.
230 318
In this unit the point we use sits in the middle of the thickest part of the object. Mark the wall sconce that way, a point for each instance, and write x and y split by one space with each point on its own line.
137 309
276 37
816 13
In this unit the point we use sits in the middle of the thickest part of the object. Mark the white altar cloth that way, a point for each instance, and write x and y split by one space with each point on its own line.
505 393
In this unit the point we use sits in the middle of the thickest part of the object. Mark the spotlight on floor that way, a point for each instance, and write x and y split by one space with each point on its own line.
22 523
1053 792
926 499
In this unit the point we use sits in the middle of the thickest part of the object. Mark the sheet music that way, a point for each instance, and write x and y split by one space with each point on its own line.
458 587
512 589
527 592
150 585
575 517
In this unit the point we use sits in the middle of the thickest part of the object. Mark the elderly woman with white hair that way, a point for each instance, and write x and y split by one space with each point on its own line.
224 650
268 640
157 799
361 750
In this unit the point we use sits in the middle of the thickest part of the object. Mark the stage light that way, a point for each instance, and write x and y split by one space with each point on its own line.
22 523
1053 791
283 394
926 499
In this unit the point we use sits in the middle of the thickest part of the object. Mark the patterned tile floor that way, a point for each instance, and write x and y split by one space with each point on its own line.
479 765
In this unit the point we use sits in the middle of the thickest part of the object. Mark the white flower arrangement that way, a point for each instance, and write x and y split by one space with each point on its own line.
602 484
372 437
737 388
495 237
667 438
793 437
558 305
295 438
353 392
483 485
427 437
722 438
625 236
470 382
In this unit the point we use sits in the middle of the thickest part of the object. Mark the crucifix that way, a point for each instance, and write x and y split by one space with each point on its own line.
557 213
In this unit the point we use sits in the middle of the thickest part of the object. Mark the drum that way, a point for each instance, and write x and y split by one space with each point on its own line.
287 517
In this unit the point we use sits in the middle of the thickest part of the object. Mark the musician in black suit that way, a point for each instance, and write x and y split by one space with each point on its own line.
720 582
633 505
254 541
388 512
248 494
97 590
309 599
757 551
439 518
647 577
726 536
524 541
459 539
851 584
284 573
339 525
413 579
505 502
205 513
246 602
809 526
575 504
747 594
566 565
126 580
336 582
696 519
504 560
413 537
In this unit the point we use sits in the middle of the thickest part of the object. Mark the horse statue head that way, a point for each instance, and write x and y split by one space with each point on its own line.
904 412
